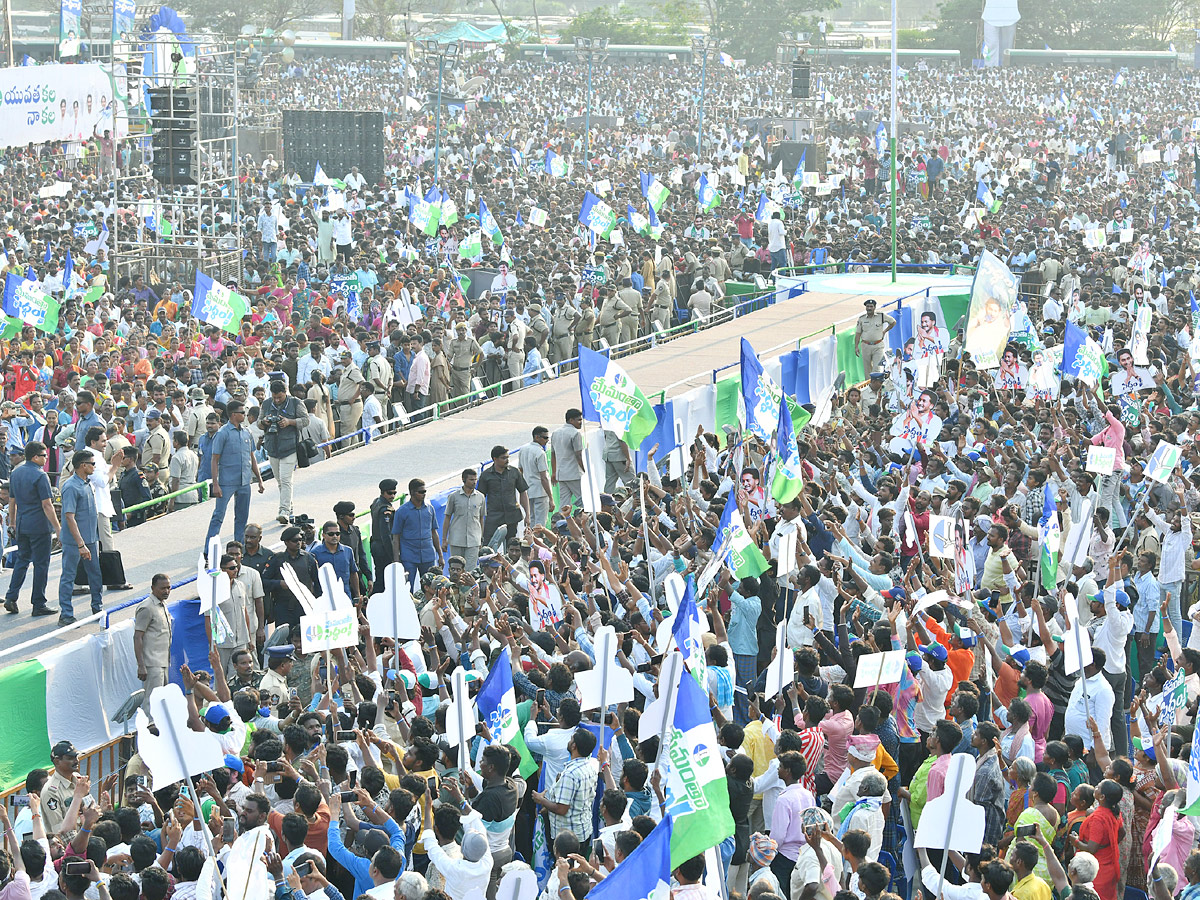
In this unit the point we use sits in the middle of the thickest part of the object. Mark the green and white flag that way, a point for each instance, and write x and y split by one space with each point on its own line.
489 225
742 556
449 210
611 398
215 304
597 215
694 782
654 191
707 196
471 246
25 301
787 479
1049 537
538 217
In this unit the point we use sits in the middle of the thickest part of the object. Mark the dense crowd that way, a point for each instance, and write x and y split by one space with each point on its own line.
1052 643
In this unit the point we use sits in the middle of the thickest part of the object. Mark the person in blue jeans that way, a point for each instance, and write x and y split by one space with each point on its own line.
415 540
233 466
80 537
34 525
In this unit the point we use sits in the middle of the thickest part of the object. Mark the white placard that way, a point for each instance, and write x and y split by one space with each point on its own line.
1163 461
323 631
392 613
781 671
879 668
1101 460
941 537
951 821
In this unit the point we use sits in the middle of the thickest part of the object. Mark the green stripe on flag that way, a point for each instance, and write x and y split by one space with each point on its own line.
528 766
728 392
954 307
26 744
848 361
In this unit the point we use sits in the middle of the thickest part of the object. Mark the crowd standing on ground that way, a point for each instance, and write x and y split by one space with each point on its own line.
346 759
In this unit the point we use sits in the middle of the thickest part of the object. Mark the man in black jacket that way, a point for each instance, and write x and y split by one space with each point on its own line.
287 608
381 528
281 419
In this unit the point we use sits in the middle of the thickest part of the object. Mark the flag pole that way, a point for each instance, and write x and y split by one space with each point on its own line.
892 142
646 535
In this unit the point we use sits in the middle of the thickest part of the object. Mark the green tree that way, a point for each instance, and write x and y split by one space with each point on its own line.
600 22
752 29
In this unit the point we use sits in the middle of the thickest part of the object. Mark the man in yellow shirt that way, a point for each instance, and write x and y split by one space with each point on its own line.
1024 857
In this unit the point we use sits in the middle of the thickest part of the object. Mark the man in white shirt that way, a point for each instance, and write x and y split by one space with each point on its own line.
1110 631
1100 704
777 240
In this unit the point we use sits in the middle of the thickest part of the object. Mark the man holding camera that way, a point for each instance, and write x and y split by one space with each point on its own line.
281 419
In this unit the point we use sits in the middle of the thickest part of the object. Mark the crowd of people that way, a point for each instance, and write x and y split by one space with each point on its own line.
1062 660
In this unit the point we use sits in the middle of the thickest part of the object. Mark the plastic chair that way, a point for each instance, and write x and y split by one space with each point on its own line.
819 256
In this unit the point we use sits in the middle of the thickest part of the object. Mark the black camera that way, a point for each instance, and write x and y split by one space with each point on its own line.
271 424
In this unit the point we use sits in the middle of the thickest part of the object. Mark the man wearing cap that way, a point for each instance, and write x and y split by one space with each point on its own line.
152 629
462 350
287 608
197 414
59 791
281 419
379 375
274 685
156 448
233 465
870 333
33 521
351 538
381 527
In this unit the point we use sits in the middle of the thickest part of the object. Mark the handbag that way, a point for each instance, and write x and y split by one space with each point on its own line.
112 570
306 449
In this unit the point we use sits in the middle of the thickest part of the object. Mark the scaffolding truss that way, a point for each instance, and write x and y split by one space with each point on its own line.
166 229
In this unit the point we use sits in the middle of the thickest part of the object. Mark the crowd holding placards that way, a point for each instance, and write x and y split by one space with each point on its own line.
954 591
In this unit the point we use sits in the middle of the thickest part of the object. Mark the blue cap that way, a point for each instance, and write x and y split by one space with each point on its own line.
914 661
935 651
233 762
1020 656
218 717
281 651
1121 598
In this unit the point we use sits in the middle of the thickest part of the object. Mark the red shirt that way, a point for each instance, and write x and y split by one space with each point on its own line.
1103 827
25 382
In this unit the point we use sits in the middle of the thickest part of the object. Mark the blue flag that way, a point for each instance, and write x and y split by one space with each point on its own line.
798 175
688 631
643 875
49 254
760 395
68 271
497 703
520 221
1082 356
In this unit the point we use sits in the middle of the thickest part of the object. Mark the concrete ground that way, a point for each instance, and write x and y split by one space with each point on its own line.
436 451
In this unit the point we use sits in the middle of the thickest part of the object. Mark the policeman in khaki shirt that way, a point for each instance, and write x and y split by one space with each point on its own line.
461 350
152 628
59 791
563 319
869 335
585 325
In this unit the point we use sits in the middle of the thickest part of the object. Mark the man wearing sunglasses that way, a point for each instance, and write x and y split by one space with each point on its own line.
415 540
287 609
341 557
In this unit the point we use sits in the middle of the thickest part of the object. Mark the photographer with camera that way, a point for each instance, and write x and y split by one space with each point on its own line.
281 419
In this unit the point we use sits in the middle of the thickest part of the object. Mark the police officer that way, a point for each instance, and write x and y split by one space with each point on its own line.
539 328
632 298
60 789
613 313
273 688
585 325
562 325
461 350
380 375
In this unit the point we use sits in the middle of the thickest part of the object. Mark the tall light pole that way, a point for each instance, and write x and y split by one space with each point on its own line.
444 53
589 46
701 45
892 142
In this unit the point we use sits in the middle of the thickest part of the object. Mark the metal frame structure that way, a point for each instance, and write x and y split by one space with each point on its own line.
203 219
443 53
589 47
